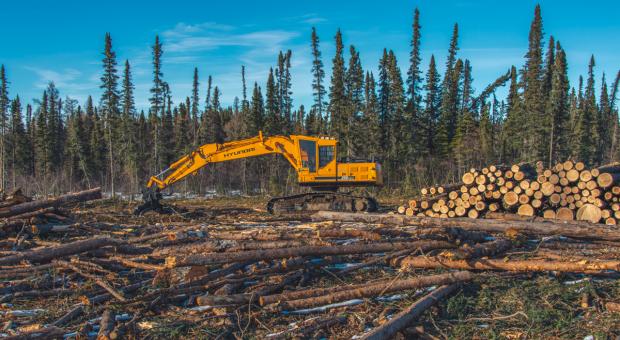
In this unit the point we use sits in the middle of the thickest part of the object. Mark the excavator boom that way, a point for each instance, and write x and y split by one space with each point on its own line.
313 158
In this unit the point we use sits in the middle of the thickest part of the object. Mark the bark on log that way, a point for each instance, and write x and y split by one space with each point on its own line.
50 253
407 316
70 315
270 254
372 290
244 299
590 232
486 249
510 265
51 332
81 196
106 326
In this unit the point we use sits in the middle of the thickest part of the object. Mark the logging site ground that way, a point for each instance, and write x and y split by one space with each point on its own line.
160 276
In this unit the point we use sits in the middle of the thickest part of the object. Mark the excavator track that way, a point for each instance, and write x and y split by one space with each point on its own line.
315 201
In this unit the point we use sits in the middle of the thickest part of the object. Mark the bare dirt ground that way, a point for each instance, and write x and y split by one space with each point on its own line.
173 281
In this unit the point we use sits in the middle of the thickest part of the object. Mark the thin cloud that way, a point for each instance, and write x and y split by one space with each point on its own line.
208 41
67 79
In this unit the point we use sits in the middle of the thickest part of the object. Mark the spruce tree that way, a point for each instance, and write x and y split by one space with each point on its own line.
558 109
607 124
414 91
55 129
287 88
208 99
42 143
157 101
195 109
30 132
98 148
109 104
129 147
396 106
166 136
182 123
383 99
586 129
76 148
513 133
272 121
4 107
216 129
244 91
337 99
18 141
354 92
318 90
432 103
254 121
372 147
549 65
533 98
449 97
414 75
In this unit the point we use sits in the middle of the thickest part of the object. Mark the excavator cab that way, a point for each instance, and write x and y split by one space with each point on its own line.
321 170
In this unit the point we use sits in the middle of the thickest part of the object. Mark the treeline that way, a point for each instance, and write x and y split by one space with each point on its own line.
423 126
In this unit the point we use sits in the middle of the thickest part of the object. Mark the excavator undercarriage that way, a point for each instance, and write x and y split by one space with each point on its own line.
315 201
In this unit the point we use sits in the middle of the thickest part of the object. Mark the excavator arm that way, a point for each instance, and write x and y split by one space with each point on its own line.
216 153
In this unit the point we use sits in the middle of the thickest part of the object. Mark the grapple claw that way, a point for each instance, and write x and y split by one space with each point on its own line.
151 202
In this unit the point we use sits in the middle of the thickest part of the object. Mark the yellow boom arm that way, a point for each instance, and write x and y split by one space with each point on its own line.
214 153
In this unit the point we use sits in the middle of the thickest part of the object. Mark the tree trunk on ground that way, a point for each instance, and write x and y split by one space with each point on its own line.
407 316
21 208
271 254
590 232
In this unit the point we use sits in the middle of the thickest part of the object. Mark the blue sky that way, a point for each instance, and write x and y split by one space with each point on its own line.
62 40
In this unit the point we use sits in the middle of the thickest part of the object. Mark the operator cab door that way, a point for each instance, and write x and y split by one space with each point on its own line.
308 153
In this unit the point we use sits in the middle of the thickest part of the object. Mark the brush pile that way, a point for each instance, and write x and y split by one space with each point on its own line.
568 191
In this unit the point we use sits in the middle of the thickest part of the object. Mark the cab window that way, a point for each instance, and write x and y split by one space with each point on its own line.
326 155
308 154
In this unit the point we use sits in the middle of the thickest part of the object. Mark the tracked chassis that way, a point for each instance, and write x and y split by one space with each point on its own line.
315 201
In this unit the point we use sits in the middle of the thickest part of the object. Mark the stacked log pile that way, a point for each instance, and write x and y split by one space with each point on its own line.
567 191
343 275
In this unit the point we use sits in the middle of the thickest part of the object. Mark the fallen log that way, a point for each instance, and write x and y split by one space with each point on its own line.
50 253
31 214
407 316
70 315
106 326
510 265
479 250
21 208
271 254
244 299
51 332
371 290
589 232
312 292
376 260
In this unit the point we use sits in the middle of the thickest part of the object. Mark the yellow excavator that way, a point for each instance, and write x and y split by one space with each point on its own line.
314 159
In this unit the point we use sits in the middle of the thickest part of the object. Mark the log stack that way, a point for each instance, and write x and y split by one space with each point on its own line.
566 191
